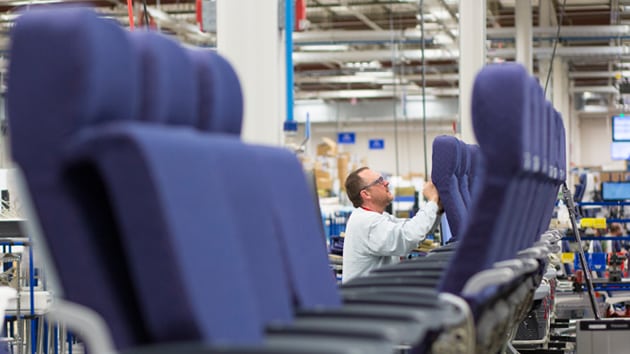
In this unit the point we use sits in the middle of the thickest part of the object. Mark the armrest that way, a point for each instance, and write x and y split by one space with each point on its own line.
396 329
428 263
399 279
199 348
426 315
399 295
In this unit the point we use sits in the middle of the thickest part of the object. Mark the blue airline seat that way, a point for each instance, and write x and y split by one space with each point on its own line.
69 71
464 175
134 189
302 254
308 292
445 174
258 232
476 168
300 237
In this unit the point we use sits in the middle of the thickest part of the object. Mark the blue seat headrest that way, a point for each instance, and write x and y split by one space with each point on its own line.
168 80
446 158
501 91
221 98
89 76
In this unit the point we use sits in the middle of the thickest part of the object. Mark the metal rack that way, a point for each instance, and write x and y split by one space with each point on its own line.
26 330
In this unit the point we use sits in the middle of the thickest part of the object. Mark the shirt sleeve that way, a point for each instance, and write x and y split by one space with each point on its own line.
390 237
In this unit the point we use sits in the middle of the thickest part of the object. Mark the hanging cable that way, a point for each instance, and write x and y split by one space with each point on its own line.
406 118
424 96
146 14
395 91
555 45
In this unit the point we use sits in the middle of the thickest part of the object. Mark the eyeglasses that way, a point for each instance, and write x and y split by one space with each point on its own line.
379 180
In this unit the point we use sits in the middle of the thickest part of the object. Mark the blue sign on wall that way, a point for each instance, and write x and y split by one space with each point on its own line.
346 138
377 144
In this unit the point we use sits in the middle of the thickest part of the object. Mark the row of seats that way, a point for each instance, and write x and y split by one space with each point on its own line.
455 172
521 166
129 147
215 242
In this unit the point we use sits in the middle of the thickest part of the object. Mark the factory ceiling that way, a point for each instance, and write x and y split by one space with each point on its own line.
371 49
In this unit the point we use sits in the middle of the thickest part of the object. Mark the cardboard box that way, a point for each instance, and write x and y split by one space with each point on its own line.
343 160
325 183
405 191
327 148
320 173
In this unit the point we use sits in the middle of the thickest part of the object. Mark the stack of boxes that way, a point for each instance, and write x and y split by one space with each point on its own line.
614 176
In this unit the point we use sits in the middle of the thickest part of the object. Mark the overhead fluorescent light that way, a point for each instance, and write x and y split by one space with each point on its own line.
419 97
374 64
324 48
440 13
308 102
375 74
443 39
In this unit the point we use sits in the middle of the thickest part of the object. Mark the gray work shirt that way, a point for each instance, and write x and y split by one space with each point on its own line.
373 240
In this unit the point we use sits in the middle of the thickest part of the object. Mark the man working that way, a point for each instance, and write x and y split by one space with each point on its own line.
375 238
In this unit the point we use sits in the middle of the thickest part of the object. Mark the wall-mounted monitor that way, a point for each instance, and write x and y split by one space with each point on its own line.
621 128
613 191
620 150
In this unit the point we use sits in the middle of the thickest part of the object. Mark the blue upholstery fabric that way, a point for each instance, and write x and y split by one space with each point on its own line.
508 117
476 169
169 90
500 104
446 160
221 99
312 281
208 296
550 171
67 69
562 158
527 206
298 232
220 108
256 228
464 167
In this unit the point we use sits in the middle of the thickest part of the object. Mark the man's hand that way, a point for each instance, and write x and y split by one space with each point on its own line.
430 192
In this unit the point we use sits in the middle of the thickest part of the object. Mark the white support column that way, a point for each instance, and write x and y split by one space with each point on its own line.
523 13
472 49
248 35
575 144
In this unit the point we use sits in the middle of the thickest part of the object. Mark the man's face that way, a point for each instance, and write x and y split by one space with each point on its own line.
376 188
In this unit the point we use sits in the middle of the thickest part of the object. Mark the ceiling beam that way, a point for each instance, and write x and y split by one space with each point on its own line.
411 90
367 78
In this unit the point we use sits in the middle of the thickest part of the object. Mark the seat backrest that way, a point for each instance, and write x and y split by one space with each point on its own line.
257 232
476 169
553 153
579 189
165 95
220 93
299 235
169 199
463 176
68 68
535 164
500 108
446 160
169 97
562 139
